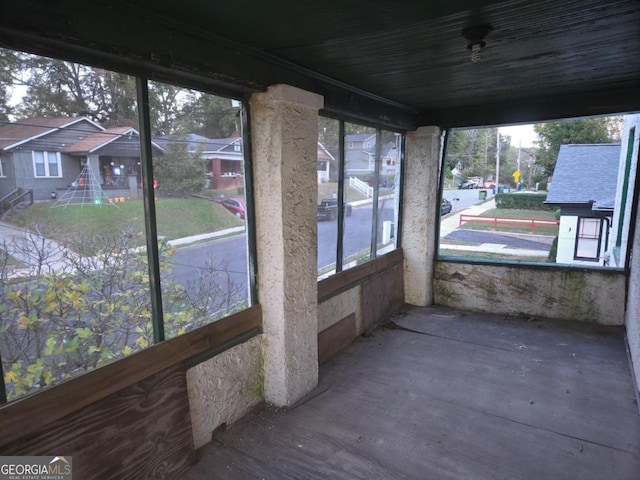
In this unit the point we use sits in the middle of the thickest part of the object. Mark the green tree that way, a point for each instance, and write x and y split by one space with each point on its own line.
179 171
208 115
583 131
9 67
58 88
163 106
474 150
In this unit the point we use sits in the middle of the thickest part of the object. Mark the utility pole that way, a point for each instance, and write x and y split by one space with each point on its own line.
497 159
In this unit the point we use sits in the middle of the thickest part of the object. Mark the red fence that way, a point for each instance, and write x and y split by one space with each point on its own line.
495 222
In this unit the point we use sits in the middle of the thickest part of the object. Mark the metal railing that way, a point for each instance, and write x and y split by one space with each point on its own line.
495 222
13 199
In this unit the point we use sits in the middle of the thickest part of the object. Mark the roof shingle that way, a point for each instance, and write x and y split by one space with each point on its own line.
586 173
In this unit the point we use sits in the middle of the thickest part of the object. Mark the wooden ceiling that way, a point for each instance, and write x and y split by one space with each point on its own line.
543 59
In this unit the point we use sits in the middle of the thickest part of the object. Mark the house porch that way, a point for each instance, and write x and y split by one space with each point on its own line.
442 393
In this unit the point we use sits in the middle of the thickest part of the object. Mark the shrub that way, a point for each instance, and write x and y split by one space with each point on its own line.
553 251
73 313
522 201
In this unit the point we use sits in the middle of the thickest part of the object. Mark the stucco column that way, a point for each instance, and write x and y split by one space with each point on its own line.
284 128
419 213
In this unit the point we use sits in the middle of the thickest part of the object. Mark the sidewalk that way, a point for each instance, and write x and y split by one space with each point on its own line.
38 254
33 251
452 221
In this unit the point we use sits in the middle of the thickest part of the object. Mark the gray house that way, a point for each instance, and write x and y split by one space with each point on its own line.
32 154
47 155
223 157
360 154
584 187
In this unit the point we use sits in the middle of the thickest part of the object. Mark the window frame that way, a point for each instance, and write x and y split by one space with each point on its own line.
580 225
244 317
606 224
343 146
46 163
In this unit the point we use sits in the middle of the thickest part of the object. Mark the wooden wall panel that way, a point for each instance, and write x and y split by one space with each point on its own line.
382 295
336 338
141 432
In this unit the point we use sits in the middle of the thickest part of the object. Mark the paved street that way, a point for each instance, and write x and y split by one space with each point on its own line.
537 242
461 199
229 254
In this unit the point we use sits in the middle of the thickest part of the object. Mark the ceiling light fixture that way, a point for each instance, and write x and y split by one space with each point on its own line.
475 40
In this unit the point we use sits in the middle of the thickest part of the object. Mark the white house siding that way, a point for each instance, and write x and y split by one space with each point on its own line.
567 239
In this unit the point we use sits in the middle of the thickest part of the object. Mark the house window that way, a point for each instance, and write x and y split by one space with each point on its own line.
588 239
358 205
47 164
142 279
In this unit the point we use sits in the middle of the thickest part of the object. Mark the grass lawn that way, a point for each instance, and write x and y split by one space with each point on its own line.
176 218
444 252
515 213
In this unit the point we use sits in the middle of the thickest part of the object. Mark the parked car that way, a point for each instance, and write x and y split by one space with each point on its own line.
445 207
468 184
234 206
328 209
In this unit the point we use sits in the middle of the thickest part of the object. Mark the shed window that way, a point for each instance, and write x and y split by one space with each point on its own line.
588 239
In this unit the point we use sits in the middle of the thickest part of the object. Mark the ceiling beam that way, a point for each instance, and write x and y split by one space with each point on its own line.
608 101
139 43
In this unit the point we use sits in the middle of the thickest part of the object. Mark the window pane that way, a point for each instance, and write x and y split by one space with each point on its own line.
75 288
358 193
39 162
587 248
198 166
53 164
589 227
327 213
388 185
588 238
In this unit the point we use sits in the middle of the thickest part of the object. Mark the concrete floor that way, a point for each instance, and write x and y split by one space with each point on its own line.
441 394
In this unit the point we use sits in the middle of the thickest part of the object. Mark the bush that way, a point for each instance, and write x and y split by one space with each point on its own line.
61 322
522 201
553 251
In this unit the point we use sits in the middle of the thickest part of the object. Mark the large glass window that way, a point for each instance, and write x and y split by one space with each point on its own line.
78 282
46 164
358 200
544 192
198 165
360 172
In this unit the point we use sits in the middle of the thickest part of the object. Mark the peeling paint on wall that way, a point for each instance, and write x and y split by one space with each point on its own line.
589 296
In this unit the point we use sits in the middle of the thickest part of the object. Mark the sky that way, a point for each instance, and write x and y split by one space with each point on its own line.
519 133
